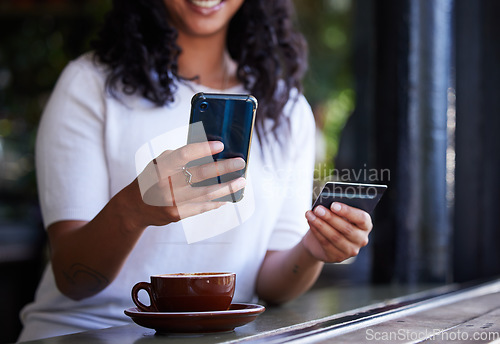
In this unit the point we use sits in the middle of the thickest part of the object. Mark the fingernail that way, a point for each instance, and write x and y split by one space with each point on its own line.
336 207
320 211
238 164
216 145
310 216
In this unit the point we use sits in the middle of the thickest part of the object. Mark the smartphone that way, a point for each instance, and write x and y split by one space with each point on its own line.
229 118
361 196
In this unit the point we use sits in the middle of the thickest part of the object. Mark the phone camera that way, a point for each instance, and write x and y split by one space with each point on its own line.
203 106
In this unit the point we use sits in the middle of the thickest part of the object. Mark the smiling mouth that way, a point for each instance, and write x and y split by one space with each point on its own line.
205 3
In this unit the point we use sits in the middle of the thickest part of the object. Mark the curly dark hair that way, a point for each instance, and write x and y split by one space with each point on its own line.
139 45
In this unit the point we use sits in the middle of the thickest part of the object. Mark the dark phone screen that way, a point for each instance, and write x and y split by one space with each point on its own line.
226 118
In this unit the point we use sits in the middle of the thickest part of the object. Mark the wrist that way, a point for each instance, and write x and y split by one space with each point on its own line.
128 204
307 253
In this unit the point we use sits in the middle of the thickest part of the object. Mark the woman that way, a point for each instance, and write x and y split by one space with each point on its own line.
151 57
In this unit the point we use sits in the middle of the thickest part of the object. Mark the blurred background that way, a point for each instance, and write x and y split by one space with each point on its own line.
405 93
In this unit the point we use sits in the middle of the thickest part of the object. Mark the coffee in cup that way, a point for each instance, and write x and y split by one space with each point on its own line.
187 292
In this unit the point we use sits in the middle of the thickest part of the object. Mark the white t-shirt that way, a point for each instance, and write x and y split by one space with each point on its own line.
85 153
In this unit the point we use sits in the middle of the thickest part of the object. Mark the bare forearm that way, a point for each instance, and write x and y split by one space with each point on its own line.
87 256
287 274
86 259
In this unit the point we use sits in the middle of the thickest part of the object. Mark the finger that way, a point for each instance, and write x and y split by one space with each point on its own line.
346 228
333 236
356 216
324 242
331 253
193 151
215 169
176 190
192 209
209 193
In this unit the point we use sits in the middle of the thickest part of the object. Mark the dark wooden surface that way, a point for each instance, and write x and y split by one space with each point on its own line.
347 314
316 304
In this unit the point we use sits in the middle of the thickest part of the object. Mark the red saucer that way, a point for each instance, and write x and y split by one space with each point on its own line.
238 314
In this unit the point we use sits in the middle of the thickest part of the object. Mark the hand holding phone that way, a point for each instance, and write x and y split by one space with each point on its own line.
361 196
228 118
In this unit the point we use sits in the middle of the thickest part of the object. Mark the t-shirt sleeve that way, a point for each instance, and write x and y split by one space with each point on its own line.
292 225
72 175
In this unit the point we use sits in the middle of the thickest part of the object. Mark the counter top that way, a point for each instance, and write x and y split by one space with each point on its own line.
306 312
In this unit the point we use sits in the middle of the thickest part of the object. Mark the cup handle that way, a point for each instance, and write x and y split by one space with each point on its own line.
135 297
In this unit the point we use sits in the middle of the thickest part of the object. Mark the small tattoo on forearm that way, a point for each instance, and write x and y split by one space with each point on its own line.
80 273
295 269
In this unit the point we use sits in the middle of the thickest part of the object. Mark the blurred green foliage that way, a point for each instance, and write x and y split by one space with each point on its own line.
327 26
38 40
329 83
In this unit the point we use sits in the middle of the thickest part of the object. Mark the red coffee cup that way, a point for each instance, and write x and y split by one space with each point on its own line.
187 292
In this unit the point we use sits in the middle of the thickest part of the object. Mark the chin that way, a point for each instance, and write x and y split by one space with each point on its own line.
202 17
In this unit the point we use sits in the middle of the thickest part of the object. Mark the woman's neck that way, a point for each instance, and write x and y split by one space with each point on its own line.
207 59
